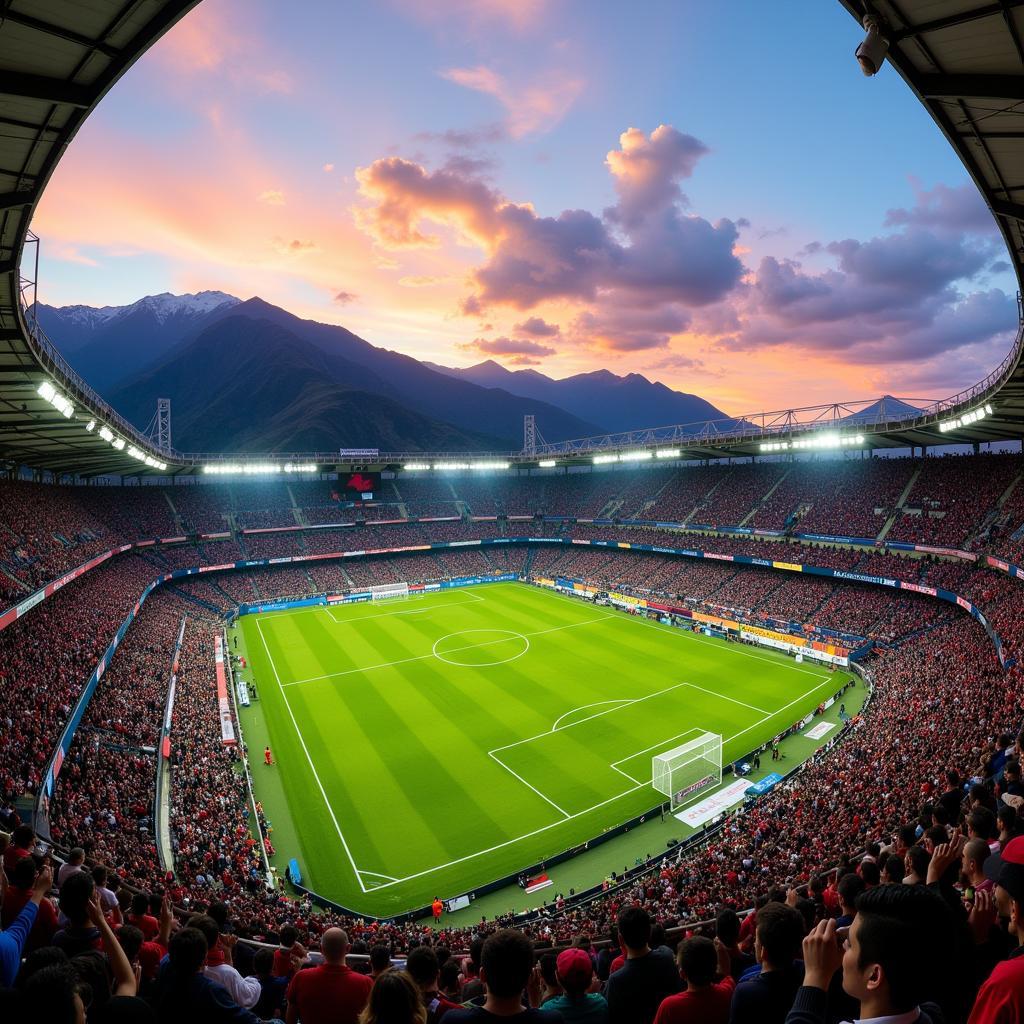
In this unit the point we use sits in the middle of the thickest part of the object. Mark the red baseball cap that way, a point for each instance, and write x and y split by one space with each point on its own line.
574 968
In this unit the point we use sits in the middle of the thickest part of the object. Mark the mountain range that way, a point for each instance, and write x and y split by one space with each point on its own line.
250 376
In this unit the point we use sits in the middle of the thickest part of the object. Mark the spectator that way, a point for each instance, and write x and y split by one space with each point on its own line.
331 993
244 991
19 893
972 865
422 966
727 930
895 955
767 997
507 969
577 1004
394 999
12 939
289 954
273 987
185 994
75 862
1001 998
706 968
380 960
79 934
472 986
850 887
635 991
23 841
141 918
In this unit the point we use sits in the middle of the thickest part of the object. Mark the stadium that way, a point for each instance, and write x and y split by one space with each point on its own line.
448 699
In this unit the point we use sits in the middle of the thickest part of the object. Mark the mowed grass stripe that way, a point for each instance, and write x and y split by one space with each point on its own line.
402 750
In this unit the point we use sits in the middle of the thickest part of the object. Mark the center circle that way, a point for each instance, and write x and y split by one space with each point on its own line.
479 648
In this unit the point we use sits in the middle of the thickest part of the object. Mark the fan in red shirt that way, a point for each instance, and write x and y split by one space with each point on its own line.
18 893
1001 999
287 953
331 993
705 1001
142 919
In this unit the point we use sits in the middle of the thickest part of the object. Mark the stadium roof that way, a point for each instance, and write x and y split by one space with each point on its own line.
58 58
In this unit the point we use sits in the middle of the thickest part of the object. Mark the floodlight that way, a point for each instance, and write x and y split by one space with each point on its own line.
547 463
871 52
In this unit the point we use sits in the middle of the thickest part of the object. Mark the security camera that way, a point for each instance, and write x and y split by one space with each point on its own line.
871 53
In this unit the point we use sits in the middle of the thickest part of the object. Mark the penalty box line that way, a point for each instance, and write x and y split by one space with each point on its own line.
578 814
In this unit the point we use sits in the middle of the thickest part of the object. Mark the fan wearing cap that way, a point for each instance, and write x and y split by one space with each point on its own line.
575 972
1001 999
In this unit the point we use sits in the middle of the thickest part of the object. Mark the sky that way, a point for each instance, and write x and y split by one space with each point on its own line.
711 195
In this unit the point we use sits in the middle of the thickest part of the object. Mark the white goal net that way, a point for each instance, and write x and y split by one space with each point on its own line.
684 772
390 592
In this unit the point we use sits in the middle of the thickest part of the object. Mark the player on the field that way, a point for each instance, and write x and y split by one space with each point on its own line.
268 758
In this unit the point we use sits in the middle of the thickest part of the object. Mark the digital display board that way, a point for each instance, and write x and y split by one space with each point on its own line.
358 486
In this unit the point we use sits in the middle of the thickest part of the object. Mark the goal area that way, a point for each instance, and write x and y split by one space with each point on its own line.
686 771
389 592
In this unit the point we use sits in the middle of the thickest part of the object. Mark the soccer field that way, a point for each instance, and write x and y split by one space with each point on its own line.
428 746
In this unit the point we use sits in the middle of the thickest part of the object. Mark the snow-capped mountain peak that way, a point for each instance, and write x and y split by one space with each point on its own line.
166 305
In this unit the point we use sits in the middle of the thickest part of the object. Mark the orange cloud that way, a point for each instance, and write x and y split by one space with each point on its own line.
273 197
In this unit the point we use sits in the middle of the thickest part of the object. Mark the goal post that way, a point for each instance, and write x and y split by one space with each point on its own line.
684 772
389 592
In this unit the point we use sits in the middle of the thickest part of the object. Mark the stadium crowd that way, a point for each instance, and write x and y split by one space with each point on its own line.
903 839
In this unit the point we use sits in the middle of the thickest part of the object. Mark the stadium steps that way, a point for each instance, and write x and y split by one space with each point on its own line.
689 518
764 498
891 521
20 584
199 602
174 512
608 511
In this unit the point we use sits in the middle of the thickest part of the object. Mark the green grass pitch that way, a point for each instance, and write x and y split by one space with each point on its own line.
425 747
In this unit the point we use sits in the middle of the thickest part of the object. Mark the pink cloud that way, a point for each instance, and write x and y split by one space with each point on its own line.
530 108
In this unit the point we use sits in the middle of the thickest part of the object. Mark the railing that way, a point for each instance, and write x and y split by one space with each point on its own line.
750 427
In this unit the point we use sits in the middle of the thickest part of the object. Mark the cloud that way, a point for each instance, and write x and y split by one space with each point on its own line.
537 328
421 280
470 138
273 197
344 298
404 194
72 254
531 108
480 16
504 346
959 210
647 170
644 253
328 168
294 247
619 328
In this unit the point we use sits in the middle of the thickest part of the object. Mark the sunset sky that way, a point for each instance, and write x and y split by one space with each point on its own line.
710 194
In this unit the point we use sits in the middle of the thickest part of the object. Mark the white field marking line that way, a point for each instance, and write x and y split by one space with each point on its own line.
377 874
548 799
312 767
703 640
511 634
722 696
611 799
355 620
597 714
654 746
583 707
423 657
